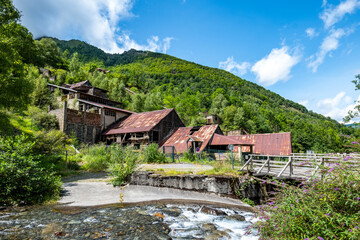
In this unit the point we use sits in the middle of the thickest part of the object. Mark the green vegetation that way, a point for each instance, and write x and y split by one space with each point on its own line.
97 158
23 177
317 209
119 161
123 164
356 112
153 155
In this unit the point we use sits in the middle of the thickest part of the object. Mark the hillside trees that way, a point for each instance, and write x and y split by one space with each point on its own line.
160 80
355 113
16 48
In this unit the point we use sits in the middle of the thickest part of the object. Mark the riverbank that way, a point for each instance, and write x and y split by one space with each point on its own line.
94 189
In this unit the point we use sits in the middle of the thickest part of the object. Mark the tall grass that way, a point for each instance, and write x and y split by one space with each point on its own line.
97 158
119 161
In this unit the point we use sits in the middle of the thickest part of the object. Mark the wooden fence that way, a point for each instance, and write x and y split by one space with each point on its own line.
300 166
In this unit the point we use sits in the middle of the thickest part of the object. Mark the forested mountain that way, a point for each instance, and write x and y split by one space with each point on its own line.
162 80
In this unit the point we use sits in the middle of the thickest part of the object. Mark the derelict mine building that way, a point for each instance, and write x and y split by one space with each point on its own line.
144 128
85 110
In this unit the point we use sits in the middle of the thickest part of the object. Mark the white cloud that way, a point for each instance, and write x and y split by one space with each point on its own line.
337 107
324 3
232 66
153 44
93 21
304 103
329 44
332 15
276 66
310 32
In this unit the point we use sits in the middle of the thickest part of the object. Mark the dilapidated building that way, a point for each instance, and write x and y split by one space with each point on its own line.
144 128
85 111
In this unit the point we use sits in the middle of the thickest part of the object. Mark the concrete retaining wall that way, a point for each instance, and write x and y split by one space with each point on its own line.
222 185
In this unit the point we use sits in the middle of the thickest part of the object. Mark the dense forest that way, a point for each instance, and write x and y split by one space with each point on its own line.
161 80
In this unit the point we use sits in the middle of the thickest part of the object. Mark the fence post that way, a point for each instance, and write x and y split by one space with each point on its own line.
291 167
268 163
232 160
173 154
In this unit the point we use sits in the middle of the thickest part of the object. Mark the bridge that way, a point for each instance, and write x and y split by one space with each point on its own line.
296 166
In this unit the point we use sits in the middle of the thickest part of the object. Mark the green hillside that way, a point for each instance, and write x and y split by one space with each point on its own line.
161 80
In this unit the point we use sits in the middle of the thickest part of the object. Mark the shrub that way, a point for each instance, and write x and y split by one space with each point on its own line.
123 163
97 158
189 156
153 155
325 208
42 119
51 142
22 179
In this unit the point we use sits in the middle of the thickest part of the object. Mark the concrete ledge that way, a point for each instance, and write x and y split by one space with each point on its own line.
100 194
221 185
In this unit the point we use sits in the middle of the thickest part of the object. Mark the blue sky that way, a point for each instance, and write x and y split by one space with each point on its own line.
307 51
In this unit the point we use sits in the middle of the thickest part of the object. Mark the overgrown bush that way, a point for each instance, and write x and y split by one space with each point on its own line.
123 163
22 178
97 158
189 156
119 161
153 155
327 208
42 119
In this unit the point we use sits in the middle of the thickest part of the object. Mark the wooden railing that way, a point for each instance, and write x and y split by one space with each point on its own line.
296 165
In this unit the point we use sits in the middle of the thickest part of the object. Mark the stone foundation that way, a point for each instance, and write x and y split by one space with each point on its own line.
222 185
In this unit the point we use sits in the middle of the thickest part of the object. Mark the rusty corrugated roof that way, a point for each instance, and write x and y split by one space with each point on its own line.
179 139
219 139
269 143
139 122
205 133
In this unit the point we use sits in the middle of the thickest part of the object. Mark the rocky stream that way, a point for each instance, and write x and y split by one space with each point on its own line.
158 221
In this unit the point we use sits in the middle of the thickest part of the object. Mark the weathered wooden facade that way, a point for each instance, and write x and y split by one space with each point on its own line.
144 128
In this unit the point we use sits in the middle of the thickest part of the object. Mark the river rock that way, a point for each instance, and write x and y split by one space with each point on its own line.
50 228
208 227
236 217
173 211
222 234
212 237
212 211
74 222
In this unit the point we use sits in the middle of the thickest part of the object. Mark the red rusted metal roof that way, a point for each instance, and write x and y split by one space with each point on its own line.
139 122
268 144
219 139
205 133
179 139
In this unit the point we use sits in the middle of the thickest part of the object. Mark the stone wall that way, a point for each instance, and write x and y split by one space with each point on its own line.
85 125
223 185
59 114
